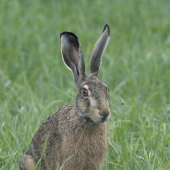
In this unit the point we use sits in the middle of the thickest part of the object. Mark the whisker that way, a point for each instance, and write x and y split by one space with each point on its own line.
114 103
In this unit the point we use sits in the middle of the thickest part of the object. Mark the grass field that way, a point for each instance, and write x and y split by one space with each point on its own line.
34 82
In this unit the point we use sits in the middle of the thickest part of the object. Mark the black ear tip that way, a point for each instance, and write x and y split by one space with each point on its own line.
106 26
68 34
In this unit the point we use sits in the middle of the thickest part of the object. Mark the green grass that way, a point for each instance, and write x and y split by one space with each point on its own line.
34 82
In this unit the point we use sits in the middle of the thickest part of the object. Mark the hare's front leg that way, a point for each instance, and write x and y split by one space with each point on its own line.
27 162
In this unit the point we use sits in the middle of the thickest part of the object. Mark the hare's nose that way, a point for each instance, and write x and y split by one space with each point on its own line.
105 113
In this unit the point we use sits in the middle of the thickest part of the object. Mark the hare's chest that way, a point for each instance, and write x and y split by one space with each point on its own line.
87 149
93 145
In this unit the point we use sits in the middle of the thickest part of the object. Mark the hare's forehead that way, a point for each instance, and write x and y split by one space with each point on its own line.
95 86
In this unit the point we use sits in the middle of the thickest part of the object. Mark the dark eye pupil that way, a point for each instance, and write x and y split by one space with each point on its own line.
85 92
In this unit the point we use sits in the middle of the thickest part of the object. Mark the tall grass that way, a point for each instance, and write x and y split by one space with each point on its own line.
136 65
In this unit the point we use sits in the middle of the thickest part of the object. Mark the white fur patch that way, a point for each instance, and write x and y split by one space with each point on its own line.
93 102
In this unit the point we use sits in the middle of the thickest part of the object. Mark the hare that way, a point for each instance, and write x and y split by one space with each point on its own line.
76 135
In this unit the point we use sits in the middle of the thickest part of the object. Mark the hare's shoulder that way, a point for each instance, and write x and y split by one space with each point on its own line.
60 114
52 121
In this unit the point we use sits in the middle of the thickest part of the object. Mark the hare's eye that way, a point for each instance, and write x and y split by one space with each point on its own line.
85 92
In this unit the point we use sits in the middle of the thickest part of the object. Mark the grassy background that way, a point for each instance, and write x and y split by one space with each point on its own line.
136 65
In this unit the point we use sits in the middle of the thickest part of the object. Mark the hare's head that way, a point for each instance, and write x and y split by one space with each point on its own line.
92 95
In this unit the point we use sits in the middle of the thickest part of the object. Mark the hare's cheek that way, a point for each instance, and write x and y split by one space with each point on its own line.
93 102
85 104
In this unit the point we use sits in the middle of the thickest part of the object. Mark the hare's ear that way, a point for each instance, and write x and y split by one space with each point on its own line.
72 55
99 48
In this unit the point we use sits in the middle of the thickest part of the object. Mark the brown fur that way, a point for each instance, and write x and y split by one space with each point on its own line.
77 131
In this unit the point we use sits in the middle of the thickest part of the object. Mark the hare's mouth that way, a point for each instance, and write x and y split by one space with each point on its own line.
96 119
104 119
